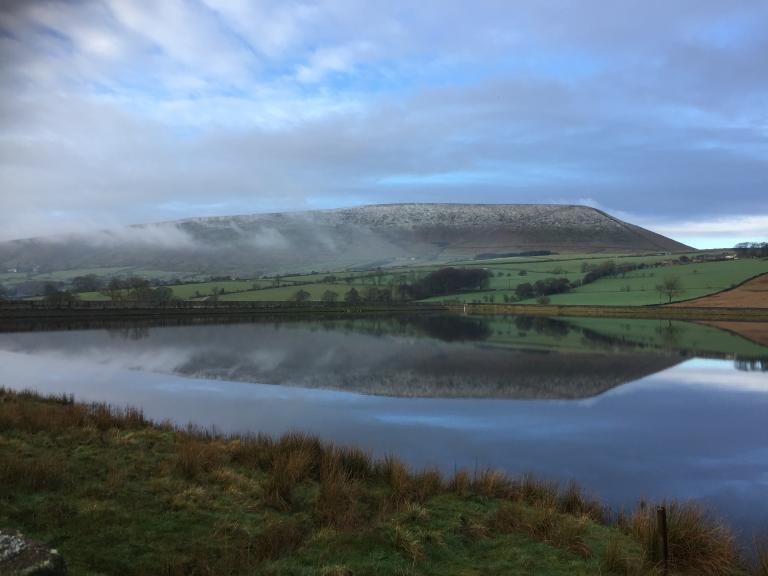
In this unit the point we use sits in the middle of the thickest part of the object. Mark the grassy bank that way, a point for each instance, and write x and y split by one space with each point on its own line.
119 495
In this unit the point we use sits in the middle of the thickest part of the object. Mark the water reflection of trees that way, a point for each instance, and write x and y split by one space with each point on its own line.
545 326
670 333
129 332
751 365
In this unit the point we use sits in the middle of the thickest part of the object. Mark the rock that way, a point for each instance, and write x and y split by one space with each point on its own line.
20 556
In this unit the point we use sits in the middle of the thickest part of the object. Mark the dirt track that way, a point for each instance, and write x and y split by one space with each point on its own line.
751 294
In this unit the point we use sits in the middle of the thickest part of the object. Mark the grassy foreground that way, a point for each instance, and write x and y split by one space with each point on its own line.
117 494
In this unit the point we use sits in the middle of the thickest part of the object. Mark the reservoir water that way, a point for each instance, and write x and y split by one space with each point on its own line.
628 408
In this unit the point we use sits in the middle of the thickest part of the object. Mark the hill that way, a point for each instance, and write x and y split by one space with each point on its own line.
361 237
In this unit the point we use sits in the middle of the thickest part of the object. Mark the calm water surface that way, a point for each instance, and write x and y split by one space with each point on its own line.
627 408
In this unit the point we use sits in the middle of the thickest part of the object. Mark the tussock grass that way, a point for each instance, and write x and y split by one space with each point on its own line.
337 499
572 500
195 457
41 473
760 564
120 495
698 543
550 527
461 483
472 529
536 492
426 484
492 484
407 542
617 560
279 538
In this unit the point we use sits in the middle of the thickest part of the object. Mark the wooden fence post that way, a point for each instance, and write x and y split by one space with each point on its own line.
661 519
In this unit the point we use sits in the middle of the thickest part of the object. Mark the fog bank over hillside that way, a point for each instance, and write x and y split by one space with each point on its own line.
366 236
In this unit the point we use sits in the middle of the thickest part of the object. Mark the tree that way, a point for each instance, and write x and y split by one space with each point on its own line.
301 296
524 291
87 283
352 296
52 295
329 296
138 289
114 289
543 299
670 287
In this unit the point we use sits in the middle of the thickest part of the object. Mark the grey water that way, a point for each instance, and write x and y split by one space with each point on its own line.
627 408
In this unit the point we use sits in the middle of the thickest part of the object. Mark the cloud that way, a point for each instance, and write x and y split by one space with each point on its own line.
119 113
154 236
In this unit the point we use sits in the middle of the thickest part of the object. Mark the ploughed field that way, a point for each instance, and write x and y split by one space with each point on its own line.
751 294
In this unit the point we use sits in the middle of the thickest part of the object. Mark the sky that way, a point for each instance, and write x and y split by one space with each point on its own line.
116 112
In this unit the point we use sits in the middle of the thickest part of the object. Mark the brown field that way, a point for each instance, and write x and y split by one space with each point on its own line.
755 331
751 294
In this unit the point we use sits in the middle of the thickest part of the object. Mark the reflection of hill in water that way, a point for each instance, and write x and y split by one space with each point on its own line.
422 369
419 356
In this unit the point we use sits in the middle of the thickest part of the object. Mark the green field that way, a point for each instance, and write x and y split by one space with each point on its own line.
287 292
574 334
638 288
634 288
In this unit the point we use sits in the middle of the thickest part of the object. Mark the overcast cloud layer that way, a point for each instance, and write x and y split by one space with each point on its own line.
120 111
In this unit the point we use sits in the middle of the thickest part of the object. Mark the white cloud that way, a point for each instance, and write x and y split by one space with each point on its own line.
334 59
114 111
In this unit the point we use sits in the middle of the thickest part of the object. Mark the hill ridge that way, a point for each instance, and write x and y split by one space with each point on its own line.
338 238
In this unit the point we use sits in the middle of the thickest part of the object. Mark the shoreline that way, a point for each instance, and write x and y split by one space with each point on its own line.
126 310
291 504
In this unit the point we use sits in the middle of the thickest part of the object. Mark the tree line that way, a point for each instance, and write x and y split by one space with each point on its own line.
752 250
438 283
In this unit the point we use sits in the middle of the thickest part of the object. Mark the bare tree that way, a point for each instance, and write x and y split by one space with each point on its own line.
670 287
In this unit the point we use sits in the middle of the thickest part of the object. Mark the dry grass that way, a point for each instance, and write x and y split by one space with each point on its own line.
506 520
698 543
472 529
492 484
407 542
616 560
336 504
195 457
461 483
573 501
59 413
345 489
426 484
397 477
552 528
357 464
279 538
537 493
39 473
290 466
760 565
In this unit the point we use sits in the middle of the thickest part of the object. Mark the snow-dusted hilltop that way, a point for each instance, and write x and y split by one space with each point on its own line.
376 235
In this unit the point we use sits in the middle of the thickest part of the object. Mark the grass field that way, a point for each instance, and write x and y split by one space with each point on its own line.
638 287
12 278
631 289
116 494
573 334
507 273
287 293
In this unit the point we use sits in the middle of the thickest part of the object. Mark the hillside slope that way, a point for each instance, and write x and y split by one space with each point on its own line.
374 235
